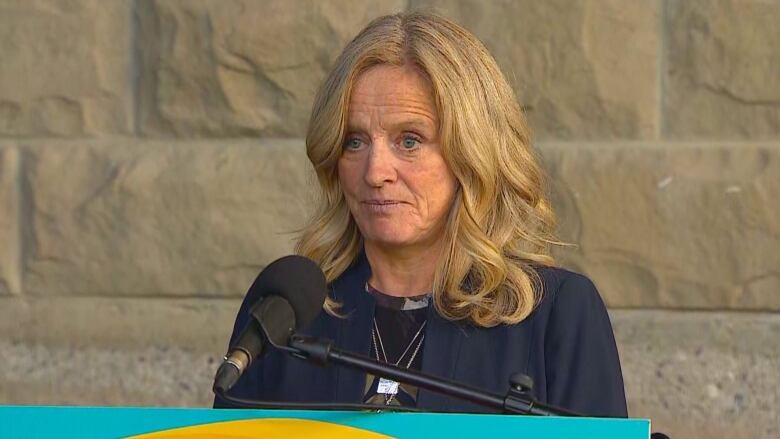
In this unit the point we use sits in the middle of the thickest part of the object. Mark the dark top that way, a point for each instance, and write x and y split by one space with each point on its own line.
566 346
398 336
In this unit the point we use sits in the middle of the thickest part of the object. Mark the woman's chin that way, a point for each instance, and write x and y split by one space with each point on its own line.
389 239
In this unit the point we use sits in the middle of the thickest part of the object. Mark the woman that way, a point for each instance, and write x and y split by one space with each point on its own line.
433 232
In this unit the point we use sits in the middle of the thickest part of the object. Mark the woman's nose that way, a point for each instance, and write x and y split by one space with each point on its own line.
380 164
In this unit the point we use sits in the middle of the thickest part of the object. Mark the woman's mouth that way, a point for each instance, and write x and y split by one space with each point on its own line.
382 206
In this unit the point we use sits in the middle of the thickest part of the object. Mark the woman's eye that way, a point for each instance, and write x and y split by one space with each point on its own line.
353 143
409 142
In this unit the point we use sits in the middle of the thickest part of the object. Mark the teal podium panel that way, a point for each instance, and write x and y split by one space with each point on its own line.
179 423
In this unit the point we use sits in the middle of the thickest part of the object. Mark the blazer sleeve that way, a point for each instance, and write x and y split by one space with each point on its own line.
581 357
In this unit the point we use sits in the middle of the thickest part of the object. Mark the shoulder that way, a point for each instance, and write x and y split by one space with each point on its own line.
568 299
581 365
560 286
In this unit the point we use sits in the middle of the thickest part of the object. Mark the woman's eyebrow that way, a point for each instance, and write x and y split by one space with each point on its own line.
412 122
417 123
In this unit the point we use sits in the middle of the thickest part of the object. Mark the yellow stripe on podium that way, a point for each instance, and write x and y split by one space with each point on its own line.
265 428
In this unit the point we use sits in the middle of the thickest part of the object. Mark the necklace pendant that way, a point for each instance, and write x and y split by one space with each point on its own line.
387 387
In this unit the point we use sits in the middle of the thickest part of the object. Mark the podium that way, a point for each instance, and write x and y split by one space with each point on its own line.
179 423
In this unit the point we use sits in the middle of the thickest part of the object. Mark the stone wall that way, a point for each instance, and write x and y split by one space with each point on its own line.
151 163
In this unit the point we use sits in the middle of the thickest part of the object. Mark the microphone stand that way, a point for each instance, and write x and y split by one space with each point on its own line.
518 400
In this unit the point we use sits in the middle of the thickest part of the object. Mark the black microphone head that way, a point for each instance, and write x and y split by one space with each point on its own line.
297 279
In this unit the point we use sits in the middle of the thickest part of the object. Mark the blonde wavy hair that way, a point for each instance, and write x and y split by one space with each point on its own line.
500 224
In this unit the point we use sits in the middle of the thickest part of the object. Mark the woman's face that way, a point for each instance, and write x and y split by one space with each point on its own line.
395 180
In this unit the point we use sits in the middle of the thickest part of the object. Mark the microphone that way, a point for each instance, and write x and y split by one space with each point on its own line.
287 295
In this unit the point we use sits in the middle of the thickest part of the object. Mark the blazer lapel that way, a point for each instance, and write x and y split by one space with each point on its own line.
354 334
443 340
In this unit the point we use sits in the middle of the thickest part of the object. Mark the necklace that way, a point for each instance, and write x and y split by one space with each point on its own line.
389 387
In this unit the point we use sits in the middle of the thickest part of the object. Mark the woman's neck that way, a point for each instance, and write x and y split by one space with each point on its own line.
403 272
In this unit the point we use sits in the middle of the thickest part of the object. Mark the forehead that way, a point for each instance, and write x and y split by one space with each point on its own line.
397 89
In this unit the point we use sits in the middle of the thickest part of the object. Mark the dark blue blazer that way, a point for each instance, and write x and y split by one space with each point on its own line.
566 345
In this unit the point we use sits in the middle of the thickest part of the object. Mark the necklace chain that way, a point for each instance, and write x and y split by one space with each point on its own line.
382 345
376 335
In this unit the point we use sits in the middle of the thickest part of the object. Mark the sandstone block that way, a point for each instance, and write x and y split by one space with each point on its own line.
235 68
150 376
679 226
65 68
197 325
584 70
702 374
722 69
239 67
168 219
